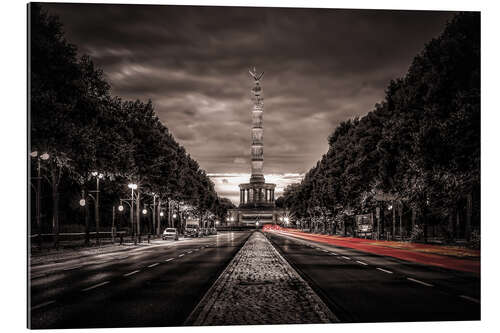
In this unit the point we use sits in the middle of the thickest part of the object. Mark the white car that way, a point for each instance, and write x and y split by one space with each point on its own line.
170 233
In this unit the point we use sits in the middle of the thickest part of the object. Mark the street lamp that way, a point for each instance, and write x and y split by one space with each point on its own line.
132 187
97 176
43 157
82 202
144 211
161 214
120 208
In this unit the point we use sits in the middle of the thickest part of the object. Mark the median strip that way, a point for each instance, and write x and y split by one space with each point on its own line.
259 275
96 286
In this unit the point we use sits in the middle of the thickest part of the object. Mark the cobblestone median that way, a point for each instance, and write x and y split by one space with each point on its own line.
260 287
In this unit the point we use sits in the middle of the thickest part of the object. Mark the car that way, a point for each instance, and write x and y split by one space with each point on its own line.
170 233
192 229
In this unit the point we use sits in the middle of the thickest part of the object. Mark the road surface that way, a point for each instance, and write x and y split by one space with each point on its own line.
153 286
362 287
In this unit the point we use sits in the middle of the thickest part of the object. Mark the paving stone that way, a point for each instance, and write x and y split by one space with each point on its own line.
260 287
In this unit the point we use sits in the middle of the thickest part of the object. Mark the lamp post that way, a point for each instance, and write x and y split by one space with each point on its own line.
154 213
44 157
132 187
97 176
83 204
160 214
121 209
154 222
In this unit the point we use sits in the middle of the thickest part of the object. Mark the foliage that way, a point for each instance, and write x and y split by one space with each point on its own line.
421 144
84 129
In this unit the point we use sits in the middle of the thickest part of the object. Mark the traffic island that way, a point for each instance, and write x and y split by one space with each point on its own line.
260 287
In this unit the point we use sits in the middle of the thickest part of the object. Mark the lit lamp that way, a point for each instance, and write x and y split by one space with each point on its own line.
144 211
174 216
161 214
120 208
82 202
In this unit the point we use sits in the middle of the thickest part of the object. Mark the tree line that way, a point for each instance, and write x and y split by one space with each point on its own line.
417 152
83 128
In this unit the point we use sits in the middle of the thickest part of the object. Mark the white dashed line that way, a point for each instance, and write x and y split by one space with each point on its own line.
190 252
362 263
420 282
96 286
169 259
470 299
70 268
131 273
325 251
41 305
333 253
346 257
384 270
181 255
155 264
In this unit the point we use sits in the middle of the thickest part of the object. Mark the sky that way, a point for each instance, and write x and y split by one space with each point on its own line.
322 67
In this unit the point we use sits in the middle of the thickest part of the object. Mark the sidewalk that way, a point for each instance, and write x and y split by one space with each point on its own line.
260 287
66 254
450 257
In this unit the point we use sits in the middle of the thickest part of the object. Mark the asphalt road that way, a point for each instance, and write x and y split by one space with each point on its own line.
362 287
154 286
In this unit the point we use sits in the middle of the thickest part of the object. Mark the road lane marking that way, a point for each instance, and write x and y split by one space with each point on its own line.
131 273
420 282
41 305
169 259
153 265
325 251
181 255
96 286
346 257
74 267
362 263
384 270
470 299
190 252
333 253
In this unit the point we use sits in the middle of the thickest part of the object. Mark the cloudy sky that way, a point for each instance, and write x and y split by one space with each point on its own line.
322 66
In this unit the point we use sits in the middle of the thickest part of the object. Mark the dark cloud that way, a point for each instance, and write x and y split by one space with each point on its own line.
322 67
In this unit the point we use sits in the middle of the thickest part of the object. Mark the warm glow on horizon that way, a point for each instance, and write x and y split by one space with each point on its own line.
226 184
